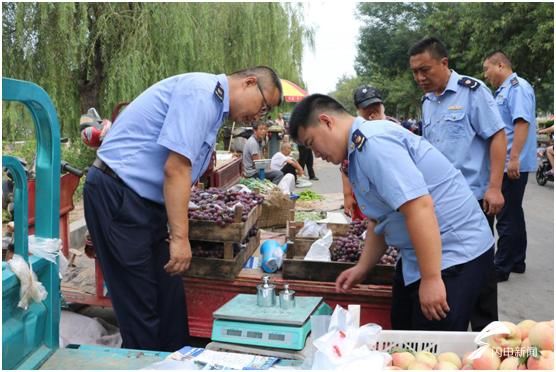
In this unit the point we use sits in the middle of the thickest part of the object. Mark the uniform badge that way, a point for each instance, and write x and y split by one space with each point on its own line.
455 108
219 92
469 83
358 139
514 82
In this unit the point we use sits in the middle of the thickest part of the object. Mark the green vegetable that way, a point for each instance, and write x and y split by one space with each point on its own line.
309 215
309 195
264 186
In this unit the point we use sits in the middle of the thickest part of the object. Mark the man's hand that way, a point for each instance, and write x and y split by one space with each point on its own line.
432 296
493 201
350 277
349 204
180 256
513 169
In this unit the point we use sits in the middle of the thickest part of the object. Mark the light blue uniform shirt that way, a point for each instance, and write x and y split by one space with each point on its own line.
394 166
183 114
516 100
459 123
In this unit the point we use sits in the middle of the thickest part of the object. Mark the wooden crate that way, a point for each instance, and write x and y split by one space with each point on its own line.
223 268
234 232
301 246
295 267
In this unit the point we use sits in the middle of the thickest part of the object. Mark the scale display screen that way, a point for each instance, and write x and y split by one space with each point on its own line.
257 335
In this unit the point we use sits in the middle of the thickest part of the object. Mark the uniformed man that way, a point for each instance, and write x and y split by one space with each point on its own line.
139 187
415 200
461 120
515 99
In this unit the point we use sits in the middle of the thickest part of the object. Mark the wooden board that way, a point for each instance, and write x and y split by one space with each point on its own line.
299 269
295 267
218 268
233 232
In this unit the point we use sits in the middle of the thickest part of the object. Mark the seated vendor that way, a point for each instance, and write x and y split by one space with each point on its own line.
283 162
253 151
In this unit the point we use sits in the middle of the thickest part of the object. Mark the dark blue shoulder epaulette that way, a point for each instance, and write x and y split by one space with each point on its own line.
423 99
469 83
219 92
514 82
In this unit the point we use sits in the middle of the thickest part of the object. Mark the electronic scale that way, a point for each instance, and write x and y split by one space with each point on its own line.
242 321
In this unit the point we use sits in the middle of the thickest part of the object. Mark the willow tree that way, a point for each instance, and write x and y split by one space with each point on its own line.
98 54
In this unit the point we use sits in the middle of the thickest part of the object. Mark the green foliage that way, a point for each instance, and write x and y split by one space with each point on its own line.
98 54
525 31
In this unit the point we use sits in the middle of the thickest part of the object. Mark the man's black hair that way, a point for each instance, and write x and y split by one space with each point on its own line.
434 46
257 124
264 74
306 111
499 56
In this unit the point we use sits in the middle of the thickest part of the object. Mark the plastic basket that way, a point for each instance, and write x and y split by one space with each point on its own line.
432 341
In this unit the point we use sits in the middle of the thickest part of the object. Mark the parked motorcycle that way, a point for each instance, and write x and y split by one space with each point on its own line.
543 175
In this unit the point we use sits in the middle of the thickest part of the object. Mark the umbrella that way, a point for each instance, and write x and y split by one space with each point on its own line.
292 92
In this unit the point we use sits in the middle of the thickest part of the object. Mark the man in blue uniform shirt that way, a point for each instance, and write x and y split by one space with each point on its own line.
461 120
515 99
139 188
415 200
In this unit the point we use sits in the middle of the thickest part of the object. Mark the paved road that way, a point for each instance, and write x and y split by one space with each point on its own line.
524 296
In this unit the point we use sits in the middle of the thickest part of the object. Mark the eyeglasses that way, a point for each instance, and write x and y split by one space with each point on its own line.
266 107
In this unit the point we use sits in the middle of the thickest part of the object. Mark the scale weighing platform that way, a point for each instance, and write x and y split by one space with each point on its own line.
242 321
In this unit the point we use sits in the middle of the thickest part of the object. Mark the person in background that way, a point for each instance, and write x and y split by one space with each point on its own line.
515 99
549 149
283 162
461 120
253 151
415 200
306 160
137 191
370 106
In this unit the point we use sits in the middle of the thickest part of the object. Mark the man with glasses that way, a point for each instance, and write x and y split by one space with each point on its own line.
137 193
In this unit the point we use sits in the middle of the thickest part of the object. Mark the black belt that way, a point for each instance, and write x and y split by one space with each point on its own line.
105 169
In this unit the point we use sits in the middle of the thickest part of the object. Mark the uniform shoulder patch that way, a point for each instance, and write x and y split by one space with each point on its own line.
219 92
469 83
514 82
358 139
424 98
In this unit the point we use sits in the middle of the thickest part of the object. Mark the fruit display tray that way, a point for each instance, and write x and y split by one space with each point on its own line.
223 268
432 341
233 232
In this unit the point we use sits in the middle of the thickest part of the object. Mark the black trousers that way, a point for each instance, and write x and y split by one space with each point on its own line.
486 308
306 159
289 169
462 282
129 234
510 224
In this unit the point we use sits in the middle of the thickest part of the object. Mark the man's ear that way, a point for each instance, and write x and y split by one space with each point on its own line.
326 120
444 61
250 81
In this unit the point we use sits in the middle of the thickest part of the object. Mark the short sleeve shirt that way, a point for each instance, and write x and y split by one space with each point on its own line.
515 99
459 123
182 114
394 166
252 147
278 161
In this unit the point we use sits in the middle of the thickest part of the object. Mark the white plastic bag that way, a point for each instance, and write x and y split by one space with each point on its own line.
239 188
346 347
320 249
311 229
49 249
30 289
45 248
